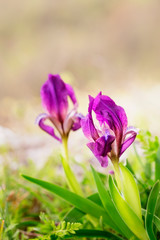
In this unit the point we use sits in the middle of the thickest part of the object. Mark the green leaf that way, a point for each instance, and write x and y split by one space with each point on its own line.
26 224
127 214
130 191
157 165
90 233
109 206
85 205
157 211
151 206
75 214
156 220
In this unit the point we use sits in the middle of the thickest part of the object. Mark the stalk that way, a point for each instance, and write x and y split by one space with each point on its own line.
71 179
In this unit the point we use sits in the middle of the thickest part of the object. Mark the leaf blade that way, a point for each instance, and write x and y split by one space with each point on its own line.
151 206
157 165
156 220
127 214
75 214
81 203
95 233
109 206
132 197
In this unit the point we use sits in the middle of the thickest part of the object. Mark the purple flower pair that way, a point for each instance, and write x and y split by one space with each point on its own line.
110 139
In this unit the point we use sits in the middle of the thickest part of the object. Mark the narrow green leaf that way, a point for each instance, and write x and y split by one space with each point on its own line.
157 165
85 205
130 191
27 224
109 206
151 206
74 215
157 211
127 214
90 233
156 220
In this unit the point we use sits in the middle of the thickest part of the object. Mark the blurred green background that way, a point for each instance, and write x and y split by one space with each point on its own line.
113 46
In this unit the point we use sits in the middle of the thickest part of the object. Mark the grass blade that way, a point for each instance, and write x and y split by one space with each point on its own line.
132 197
156 220
85 205
89 233
157 165
127 214
151 206
74 215
109 206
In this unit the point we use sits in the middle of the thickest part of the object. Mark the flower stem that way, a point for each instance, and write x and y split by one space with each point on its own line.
71 179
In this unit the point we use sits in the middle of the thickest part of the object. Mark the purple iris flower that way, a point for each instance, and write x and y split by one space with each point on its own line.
54 94
113 136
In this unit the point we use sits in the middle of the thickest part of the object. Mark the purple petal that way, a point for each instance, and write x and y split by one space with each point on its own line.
91 101
72 121
127 142
103 160
87 124
111 172
107 111
77 121
68 122
71 94
88 128
40 121
101 147
54 94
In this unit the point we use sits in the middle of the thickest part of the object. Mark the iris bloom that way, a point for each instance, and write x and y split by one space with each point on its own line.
54 94
113 136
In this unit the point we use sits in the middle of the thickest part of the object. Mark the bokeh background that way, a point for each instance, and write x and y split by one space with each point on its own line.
113 46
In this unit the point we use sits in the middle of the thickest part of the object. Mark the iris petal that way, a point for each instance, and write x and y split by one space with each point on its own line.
107 111
48 129
71 94
54 97
87 124
88 128
101 147
127 142
72 121
77 121
103 160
